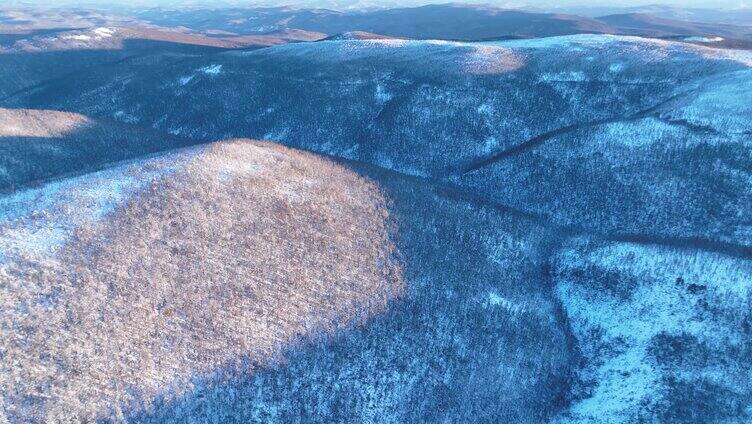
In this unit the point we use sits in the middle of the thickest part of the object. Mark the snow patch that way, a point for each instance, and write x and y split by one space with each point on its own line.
39 221
665 291
570 42
640 133
122 116
442 43
496 300
485 109
176 131
564 76
104 32
490 144
382 95
213 69
616 67
723 103
387 42
696 39
79 37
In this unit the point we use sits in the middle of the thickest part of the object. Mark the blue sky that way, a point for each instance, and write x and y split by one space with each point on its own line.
714 4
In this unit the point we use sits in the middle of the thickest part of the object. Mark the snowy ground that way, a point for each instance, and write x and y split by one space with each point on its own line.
551 230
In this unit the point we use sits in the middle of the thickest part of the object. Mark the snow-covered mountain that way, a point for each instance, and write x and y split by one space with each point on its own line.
544 230
455 21
28 59
465 112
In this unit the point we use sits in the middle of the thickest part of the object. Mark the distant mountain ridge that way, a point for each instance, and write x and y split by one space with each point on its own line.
739 16
642 24
442 21
230 27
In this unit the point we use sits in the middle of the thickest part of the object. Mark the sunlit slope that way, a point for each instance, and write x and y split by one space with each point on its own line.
132 281
37 59
32 60
36 145
167 288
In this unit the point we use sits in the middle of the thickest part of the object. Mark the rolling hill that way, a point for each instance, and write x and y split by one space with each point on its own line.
734 16
39 145
539 230
452 21
164 313
648 25
29 60
198 272
468 111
